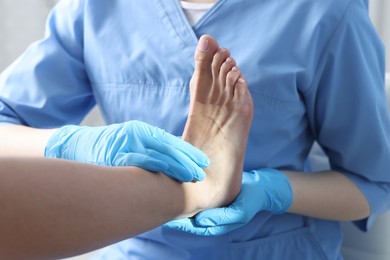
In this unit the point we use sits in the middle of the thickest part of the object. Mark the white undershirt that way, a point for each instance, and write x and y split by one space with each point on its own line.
195 11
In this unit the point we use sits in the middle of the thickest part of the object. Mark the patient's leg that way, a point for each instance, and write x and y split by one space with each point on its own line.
220 116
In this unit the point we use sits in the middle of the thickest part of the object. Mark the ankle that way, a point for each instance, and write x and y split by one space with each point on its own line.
197 198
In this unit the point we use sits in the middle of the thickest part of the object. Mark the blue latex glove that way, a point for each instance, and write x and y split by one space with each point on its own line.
132 143
261 190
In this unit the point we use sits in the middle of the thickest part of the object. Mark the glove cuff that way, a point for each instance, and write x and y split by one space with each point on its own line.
278 190
57 143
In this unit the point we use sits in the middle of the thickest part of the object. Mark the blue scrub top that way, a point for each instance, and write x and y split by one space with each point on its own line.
315 71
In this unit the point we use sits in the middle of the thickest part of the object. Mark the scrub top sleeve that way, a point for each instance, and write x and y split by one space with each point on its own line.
47 86
347 108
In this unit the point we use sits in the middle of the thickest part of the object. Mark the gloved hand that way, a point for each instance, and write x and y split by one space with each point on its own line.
132 143
261 190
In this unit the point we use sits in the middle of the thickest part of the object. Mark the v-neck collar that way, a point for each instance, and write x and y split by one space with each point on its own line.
208 14
173 17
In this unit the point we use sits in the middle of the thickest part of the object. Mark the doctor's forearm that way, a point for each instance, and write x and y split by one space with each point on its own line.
17 140
327 195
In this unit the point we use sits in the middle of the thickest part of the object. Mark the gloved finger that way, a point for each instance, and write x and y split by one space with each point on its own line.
179 164
231 215
177 172
188 225
178 154
188 149
181 167
157 139
140 160
249 177
185 225
166 165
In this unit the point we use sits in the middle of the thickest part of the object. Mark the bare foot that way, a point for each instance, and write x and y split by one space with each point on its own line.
219 120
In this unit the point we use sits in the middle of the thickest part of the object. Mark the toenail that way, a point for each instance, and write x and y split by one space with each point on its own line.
241 80
223 50
203 44
229 60
234 69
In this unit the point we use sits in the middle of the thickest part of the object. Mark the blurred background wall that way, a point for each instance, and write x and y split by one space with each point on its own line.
21 22
380 16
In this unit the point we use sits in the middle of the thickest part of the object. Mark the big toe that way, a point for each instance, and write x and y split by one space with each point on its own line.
204 53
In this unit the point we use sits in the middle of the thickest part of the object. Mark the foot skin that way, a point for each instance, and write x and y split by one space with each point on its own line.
219 120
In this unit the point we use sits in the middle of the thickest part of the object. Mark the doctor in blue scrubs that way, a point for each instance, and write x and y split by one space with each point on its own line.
315 70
